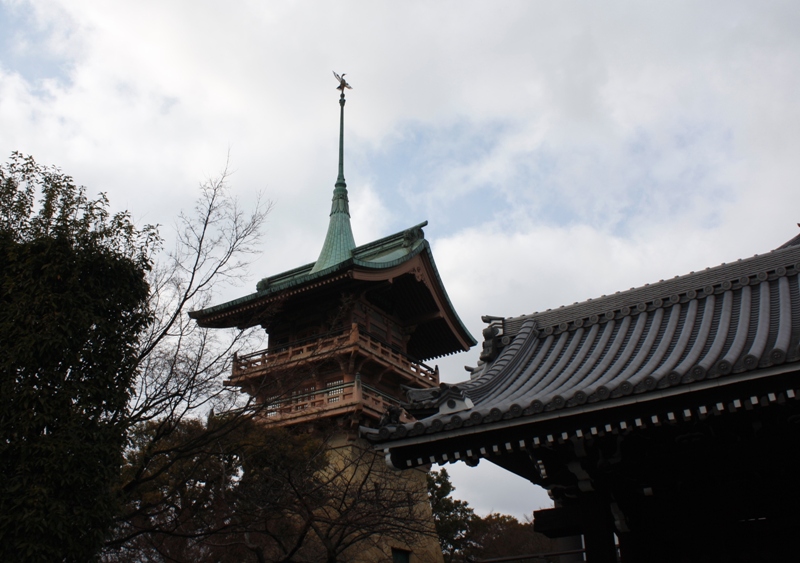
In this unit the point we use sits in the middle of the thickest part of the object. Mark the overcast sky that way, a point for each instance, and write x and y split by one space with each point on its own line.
559 150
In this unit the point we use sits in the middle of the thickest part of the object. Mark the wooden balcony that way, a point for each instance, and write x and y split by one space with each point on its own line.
332 401
345 343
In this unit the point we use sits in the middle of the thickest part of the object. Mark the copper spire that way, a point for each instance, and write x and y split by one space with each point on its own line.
339 242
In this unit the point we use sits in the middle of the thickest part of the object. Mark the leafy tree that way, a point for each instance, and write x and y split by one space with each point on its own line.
73 307
96 344
270 494
501 535
453 518
465 536
204 503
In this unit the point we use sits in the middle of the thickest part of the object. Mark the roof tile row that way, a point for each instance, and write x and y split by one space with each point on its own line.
717 323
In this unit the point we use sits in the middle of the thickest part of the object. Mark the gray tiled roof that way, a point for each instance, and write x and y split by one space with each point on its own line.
718 323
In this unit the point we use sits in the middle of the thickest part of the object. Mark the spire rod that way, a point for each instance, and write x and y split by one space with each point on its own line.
340 183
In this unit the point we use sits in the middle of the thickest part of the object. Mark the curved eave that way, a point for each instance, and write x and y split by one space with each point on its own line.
500 434
229 314
744 323
224 315
452 318
295 281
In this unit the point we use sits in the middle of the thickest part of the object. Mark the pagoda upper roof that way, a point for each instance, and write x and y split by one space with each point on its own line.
383 255
735 321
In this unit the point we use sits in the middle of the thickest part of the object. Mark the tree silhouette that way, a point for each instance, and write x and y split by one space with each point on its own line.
73 306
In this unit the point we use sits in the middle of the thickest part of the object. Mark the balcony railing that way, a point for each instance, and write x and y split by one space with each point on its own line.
263 361
334 399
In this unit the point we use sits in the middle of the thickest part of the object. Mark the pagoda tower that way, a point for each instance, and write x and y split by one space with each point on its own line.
349 333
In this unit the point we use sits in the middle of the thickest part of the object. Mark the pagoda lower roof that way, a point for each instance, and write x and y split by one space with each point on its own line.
737 320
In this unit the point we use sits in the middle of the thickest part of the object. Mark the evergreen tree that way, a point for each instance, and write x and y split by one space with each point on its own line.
453 517
73 303
465 536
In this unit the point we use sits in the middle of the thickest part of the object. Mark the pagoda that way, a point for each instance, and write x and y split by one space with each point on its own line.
348 332
347 335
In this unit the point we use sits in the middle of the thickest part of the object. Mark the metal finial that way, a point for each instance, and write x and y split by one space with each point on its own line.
342 83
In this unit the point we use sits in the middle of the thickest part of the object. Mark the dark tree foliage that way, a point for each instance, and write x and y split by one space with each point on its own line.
73 303
453 517
208 487
465 536
501 535
264 494
95 345
188 485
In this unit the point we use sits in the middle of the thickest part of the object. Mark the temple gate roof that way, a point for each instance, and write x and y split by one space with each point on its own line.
705 329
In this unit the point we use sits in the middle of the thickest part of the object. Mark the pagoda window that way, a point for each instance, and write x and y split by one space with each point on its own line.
335 390
381 327
273 404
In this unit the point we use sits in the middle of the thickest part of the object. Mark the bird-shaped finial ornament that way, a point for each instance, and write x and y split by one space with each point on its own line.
342 83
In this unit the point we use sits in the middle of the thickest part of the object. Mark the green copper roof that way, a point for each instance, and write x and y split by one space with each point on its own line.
339 242
380 254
